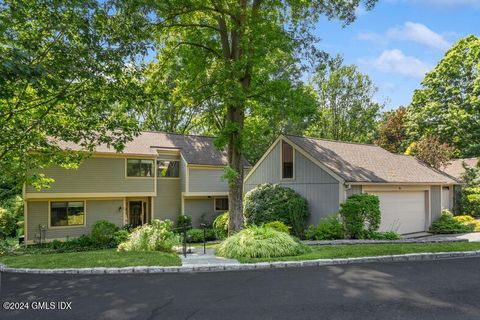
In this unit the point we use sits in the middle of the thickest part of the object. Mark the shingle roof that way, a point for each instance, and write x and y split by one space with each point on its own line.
369 163
194 149
455 168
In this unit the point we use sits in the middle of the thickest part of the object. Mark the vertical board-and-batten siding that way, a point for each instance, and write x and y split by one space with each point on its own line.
167 204
101 175
355 189
319 188
206 180
199 208
435 202
110 210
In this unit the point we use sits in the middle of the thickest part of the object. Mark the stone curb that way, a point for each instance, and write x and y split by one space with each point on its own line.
249 266
348 242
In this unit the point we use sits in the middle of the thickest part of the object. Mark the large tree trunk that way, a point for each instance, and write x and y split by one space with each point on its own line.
235 191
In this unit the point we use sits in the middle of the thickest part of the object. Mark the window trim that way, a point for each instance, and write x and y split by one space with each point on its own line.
135 158
281 161
215 205
179 167
66 227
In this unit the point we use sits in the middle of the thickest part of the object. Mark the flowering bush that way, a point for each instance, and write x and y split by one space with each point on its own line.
157 236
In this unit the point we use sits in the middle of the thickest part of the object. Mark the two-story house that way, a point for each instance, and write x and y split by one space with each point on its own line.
157 176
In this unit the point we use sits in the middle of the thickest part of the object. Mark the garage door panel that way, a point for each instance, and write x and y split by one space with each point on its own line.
402 212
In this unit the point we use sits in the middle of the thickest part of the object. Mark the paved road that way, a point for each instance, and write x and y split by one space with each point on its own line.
447 289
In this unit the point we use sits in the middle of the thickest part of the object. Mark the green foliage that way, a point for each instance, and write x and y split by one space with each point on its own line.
347 109
157 236
195 235
220 225
103 232
182 221
389 235
6 248
8 223
278 225
431 151
11 216
273 202
259 242
392 133
329 228
471 201
471 176
360 214
448 100
469 220
448 224
120 236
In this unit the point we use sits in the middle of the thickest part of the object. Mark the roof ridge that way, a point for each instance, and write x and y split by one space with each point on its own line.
179 134
332 140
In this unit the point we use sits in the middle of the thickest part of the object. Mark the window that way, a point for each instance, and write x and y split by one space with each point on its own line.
168 168
67 213
221 204
139 168
287 161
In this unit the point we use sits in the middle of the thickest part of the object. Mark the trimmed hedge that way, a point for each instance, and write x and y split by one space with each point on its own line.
361 215
273 202
103 232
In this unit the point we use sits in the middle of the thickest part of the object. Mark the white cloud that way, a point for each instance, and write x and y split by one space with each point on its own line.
395 62
419 33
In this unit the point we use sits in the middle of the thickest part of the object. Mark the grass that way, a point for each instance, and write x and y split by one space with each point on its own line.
90 259
367 250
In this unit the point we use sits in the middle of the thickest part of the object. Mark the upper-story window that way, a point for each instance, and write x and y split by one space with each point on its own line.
168 168
140 168
287 161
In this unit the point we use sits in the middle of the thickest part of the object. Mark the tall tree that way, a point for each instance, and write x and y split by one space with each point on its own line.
347 110
448 105
65 75
235 52
431 151
392 133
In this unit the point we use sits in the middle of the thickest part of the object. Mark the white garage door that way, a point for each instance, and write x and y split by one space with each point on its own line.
403 212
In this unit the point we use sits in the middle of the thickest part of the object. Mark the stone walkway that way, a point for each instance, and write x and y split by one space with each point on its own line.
471 237
197 258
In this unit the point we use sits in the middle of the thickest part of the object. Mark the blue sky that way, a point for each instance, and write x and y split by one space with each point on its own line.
399 40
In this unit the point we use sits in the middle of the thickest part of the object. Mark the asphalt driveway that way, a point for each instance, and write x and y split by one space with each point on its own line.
447 289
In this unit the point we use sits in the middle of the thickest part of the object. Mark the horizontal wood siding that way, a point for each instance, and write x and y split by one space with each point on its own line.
206 180
436 202
95 175
314 184
95 210
196 207
167 203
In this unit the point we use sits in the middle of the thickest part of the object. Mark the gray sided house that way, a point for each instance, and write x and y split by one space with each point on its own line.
326 172
157 176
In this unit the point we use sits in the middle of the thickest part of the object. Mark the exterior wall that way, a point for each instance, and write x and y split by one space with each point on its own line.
435 202
319 188
206 180
196 207
354 190
101 175
95 210
183 175
167 204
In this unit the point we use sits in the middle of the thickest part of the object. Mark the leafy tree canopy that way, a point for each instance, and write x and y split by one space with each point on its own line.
431 151
392 134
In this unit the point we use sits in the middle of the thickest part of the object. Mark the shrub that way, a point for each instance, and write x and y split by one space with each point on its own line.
279 226
120 236
195 235
6 248
11 214
389 235
469 220
260 242
8 223
471 201
183 220
220 225
157 236
103 232
329 228
273 202
360 214
447 224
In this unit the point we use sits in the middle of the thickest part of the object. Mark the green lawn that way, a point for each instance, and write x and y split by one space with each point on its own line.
365 250
88 259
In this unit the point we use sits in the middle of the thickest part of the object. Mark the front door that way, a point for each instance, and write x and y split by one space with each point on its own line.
135 213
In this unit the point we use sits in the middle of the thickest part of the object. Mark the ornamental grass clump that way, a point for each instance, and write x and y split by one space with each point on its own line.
157 236
260 242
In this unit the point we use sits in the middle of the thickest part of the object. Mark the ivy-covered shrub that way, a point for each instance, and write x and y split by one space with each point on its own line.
279 226
329 228
260 242
220 225
448 224
157 236
103 232
360 214
471 201
273 202
195 235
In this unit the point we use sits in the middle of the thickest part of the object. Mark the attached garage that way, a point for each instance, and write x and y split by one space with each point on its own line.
403 211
